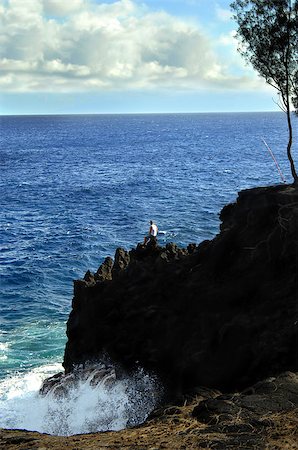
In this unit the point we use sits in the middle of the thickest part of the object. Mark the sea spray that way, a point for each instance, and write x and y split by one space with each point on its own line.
82 404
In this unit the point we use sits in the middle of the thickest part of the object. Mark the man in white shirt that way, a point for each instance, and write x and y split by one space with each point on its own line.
153 230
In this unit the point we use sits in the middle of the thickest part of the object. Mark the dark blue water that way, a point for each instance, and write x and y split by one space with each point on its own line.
73 188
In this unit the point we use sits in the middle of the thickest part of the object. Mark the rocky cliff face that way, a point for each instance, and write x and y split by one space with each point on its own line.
220 314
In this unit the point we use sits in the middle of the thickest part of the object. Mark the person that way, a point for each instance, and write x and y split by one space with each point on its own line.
153 230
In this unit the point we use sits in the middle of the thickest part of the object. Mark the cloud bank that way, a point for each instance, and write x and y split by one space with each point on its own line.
81 45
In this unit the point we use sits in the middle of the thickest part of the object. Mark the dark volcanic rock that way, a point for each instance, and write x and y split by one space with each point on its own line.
221 314
268 397
61 384
105 270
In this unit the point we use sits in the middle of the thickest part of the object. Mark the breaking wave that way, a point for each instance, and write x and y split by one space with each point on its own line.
96 399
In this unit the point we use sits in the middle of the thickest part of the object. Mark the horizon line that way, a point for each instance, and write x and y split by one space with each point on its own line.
136 113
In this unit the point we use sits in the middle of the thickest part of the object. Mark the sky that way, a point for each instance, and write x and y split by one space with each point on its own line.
124 56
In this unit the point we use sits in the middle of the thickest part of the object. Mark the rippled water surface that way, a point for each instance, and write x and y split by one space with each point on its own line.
73 188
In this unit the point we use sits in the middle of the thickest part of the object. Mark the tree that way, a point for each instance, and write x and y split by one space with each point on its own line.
268 36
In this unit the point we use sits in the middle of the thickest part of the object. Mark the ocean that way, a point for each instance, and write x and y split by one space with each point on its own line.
73 188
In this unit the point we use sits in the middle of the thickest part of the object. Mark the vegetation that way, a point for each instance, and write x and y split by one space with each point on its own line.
268 36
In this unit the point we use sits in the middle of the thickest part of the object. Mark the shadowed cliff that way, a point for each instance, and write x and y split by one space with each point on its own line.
220 314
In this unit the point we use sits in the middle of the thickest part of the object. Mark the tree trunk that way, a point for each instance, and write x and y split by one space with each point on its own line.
288 102
289 147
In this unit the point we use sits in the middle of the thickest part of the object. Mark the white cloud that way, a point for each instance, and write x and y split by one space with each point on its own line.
223 14
228 39
61 7
81 45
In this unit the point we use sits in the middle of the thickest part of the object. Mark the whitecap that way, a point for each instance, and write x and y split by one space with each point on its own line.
84 408
4 346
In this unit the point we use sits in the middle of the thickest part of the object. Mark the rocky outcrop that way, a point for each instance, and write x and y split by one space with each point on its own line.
268 397
220 314
61 384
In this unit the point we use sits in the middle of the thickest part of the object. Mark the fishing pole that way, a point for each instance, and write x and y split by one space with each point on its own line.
274 159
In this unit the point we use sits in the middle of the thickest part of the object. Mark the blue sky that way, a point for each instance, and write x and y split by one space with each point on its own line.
125 56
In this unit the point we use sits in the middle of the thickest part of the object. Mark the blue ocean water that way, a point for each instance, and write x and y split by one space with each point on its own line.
74 188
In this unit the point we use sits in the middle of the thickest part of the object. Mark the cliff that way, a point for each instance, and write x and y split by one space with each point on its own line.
221 314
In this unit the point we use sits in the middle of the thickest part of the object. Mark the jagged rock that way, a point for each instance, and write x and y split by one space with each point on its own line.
50 382
105 270
174 252
122 259
191 247
221 314
61 384
271 396
89 278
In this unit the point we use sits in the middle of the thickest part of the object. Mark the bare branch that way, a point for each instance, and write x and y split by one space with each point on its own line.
279 105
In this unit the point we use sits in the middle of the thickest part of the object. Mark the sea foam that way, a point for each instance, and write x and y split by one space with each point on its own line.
84 408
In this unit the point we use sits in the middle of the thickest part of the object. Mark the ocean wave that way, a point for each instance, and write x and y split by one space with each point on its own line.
82 407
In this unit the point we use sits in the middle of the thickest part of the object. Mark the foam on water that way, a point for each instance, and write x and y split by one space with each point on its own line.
3 351
84 409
